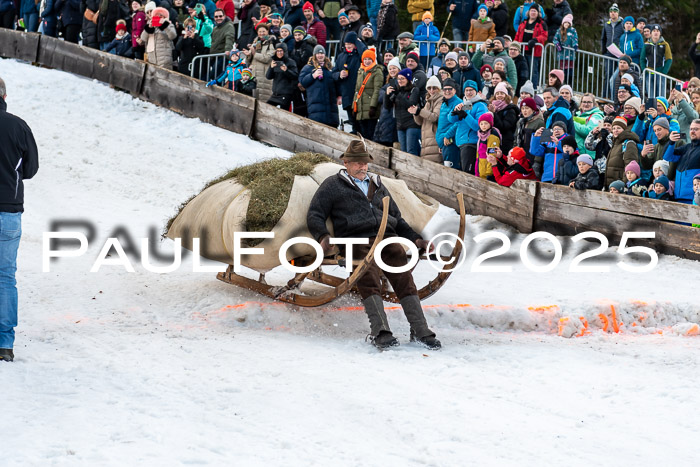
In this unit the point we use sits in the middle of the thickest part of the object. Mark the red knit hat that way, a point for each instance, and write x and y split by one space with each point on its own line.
529 102
517 153
413 54
486 117
121 27
308 6
485 67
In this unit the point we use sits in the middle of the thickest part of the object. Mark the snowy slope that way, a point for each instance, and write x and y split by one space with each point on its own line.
118 368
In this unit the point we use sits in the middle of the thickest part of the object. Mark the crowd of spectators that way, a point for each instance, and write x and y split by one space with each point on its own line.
475 109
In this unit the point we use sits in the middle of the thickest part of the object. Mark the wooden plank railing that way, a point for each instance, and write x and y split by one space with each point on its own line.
526 205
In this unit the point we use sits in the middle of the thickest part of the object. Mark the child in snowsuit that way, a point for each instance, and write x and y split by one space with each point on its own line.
660 168
121 45
660 190
588 177
247 84
232 73
568 164
489 139
635 185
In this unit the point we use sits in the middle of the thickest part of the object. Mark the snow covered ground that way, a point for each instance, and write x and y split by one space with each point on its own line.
118 368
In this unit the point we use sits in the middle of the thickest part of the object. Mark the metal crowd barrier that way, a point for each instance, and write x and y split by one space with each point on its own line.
657 84
590 72
207 67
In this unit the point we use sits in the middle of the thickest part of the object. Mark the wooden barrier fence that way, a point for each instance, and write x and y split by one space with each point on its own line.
527 206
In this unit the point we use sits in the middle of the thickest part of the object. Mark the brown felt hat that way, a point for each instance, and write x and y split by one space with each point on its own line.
357 152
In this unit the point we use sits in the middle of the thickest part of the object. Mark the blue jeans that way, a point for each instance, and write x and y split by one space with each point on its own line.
409 140
10 233
31 22
460 35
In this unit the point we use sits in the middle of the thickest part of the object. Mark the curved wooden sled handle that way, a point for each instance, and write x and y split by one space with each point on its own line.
434 285
311 300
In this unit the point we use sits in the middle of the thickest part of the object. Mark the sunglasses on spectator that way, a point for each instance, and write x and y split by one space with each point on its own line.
218 16
448 89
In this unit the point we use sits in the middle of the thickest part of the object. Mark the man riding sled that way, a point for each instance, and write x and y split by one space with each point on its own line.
353 200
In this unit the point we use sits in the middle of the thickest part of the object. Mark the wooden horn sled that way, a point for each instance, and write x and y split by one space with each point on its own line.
290 292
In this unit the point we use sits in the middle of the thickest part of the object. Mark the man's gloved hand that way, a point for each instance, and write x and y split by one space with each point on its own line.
211 83
531 43
326 244
423 245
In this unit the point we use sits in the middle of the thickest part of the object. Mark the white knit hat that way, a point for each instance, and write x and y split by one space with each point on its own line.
150 6
433 81
395 62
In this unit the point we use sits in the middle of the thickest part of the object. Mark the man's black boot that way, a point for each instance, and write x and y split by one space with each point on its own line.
6 355
380 333
420 332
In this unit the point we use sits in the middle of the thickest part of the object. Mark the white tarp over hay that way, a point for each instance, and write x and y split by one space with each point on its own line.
220 210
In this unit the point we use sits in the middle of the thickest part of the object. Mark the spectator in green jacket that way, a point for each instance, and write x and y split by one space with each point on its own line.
586 119
656 55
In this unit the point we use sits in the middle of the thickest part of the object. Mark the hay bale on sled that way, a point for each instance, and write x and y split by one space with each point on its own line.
272 196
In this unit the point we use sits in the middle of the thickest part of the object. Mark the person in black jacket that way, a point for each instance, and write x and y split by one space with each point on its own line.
189 46
19 160
344 199
345 74
403 99
71 18
88 8
555 16
285 77
499 16
387 22
521 65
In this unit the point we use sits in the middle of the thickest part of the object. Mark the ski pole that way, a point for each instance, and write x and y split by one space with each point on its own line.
446 22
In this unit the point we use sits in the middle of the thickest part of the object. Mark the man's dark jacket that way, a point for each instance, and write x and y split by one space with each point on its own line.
352 214
19 159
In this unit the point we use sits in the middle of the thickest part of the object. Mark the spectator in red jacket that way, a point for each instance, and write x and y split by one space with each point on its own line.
514 167
533 31
313 25
228 7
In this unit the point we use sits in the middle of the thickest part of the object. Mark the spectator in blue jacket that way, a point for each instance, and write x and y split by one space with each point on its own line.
446 130
631 41
462 13
29 11
521 13
557 110
426 32
372 12
466 114
688 162
72 19
548 153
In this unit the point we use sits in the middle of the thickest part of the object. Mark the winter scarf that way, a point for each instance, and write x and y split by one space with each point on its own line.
499 105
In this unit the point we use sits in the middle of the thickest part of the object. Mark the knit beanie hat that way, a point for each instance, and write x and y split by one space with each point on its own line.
449 82
350 38
663 165
568 19
630 19
299 29
395 62
319 49
343 14
585 158
501 87
628 77
470 84
566 87
559 74
121 26
413 55
427 15
636 103
369 53
407 73
569 140
501 40
517 153
482 7
485 67
529 102
626 58
633 167
663 179
499 59
626 87
288 27
150 6
561 125
621 122
247 72
486 117
451 56
663 101
662 122
618 185
308 6
433 81
528 87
